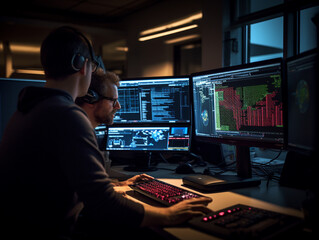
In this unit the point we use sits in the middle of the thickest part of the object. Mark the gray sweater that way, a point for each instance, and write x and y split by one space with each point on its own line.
50 167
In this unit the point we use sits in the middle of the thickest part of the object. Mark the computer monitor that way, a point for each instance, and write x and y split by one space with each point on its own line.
302 87
240 105
154 100
149 138
141 144
9 92
302 102
155 117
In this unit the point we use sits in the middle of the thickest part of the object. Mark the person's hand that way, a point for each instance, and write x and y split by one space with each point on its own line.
135 179
138 178
120 190
187 209
176 214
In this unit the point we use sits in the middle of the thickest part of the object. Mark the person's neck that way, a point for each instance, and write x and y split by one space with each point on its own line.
90 113
94 124
68 84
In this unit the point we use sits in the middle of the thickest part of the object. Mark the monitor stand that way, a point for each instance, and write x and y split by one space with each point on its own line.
141 163
215 183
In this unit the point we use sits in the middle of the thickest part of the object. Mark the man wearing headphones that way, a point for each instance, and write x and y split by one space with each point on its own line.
101 104
50 166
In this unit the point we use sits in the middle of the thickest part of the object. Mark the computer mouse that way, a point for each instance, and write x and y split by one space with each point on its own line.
184 168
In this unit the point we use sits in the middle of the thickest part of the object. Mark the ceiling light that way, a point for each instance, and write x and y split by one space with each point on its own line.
173 24
122 49
30 71
24 48
182 39
161 34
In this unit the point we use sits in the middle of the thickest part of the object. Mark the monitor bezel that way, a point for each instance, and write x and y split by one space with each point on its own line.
159 122
243 141
289 146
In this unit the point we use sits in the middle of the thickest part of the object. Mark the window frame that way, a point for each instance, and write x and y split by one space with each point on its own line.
289 10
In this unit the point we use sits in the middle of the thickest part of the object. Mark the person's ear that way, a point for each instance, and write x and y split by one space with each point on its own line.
84 69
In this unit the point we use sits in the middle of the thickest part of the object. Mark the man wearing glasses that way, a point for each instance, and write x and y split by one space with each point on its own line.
101 102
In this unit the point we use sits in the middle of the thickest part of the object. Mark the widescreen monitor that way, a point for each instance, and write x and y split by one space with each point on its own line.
242 106
154 100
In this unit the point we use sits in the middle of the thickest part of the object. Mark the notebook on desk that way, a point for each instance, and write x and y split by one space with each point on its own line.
207 183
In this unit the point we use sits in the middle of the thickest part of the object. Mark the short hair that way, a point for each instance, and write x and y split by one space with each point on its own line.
102 79
58 49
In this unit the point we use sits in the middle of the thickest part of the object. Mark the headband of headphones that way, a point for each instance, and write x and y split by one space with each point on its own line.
91 97
78 60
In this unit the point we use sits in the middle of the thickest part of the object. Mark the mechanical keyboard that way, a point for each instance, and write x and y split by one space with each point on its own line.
245 222
162 192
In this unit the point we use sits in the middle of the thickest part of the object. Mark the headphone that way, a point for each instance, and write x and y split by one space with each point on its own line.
91 97
78 60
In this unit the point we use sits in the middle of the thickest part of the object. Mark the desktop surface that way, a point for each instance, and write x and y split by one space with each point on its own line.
269 196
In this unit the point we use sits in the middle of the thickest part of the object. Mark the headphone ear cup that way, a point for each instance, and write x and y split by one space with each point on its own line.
91 97
77 62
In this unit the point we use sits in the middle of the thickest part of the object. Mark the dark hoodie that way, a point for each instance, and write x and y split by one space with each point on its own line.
50 167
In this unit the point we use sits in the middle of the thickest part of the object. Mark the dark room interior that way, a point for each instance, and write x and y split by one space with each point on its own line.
213 100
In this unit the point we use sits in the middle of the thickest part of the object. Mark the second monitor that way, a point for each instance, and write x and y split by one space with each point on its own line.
154 100
241 106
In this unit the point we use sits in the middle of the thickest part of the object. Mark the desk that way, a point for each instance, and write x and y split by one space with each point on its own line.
272 197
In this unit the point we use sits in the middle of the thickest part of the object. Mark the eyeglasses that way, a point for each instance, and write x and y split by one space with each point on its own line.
114 100
95 64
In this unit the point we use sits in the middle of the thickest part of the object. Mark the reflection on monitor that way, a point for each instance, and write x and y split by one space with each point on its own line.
156 100
240 104
163 138
302 80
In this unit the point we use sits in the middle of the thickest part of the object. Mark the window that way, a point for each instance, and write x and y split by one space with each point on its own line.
246 7
308 37
266 40
256 30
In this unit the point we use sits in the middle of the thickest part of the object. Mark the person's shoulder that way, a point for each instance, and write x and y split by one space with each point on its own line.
72 121
75 112
62 108
69 110
62 102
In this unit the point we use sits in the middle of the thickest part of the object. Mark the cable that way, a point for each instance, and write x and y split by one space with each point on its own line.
267 163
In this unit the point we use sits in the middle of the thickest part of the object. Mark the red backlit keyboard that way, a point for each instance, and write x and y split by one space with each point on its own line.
245 222
162 192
